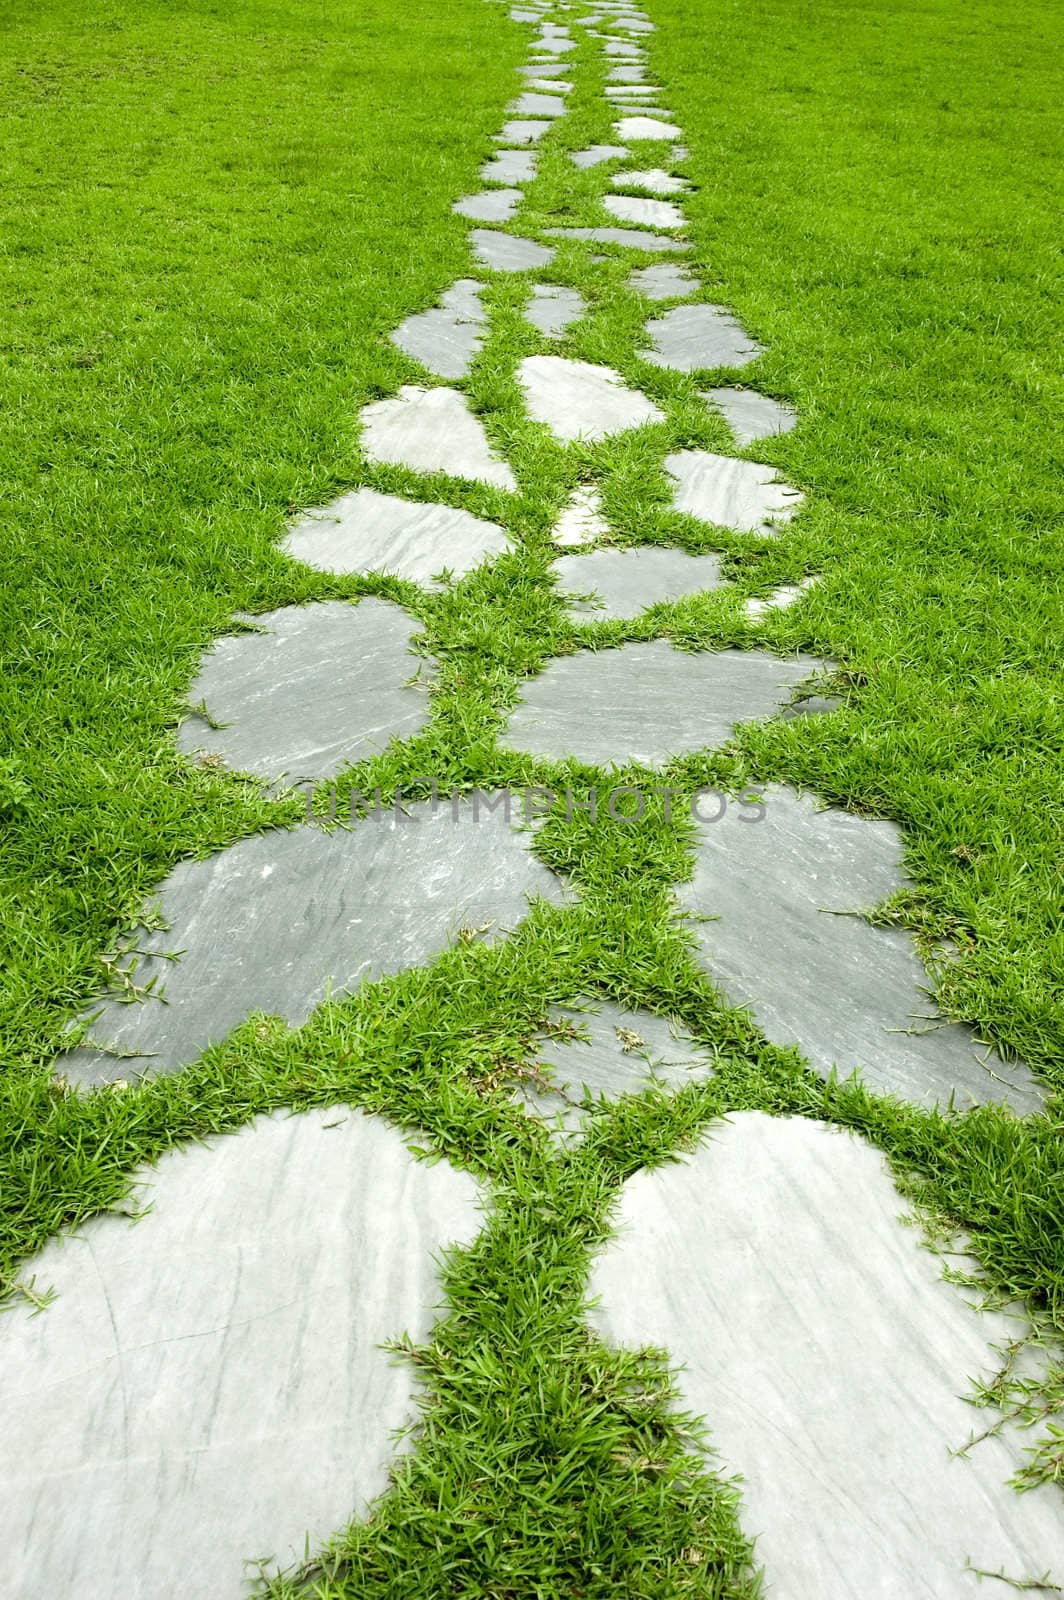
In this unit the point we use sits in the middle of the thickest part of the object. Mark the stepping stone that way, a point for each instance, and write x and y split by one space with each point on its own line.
553 308
364 531
632 238
664 282
648 702
579 401
623 47
596 154
629 128
538 105
626 74
598 1050
210 1385
647 213
510 166
555 47
750 415
741 495
522 131
552 86
689 338
282 920
448 339
581 521
680 152
788 942
655 180
630 91
625 583
506 252
781 599
495 205
818 1337
546 70
432 430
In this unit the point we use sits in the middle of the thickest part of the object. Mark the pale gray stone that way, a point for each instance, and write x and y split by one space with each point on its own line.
831 1360
634 25
581 521
596 154
627 582
506 252
494 205
655 180
522 130
364 531
741 495
577 400
546 70
632 238
645 213
209 1386
554 308
631 91
648 702
626 48
626 74
788 941
280 921
664 282
752 416
510 166
447 340
553 46
781 599
689 338
680 152
538 105
432 430
633 128
551 85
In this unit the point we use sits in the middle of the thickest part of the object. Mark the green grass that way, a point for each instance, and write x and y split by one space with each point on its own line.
210 224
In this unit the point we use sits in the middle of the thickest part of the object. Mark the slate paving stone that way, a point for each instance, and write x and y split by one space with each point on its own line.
627 582
596 154
506 252
631 91
750 415
522 130
648 702
645 213
577 400
689 338
280 921
495 205
538 105
364 531
626 74
581 521
653 179
781 599
664 282
553 308
819 1339
448 339
631 238
634 128
545 70
785 941
432 430
726 493
552 86
554 46
209 1386
510 166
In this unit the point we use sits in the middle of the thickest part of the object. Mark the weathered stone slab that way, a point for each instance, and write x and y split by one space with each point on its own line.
506 252
689 338
635 128
209 1386
741 495
647 702
655 180
664 282
522 130
581 521
546 82
631 91
495 205
554 308
447 340
551 45
538 105
596 154
510 166
577 400
788 941
281 920
432 430
364 531
752 416
631 238
546 70
629 72
781 599
645 213
623 48
626 582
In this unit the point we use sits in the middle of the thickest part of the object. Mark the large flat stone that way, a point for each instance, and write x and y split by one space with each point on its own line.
553 308
581 521
752 416
432 430
510 166
788 941
742 495
315 689
208 1387
645 213
654 179
830 1358
522 130
365 531
663 282
281 920
531 104
446 340
628 72
546 69
631 238
551 45
629 129
540 78
494 205
647 702
505 252
626 582
623 48
577 400
690 338
596 154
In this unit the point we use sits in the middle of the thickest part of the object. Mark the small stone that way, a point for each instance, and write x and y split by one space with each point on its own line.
556 86
630 91
779 600
631 238
546 70
538 105
623 48
752 416
448 339
553 308
506 252
655 180
664 282
495 205
510 166
432 430
596 154
646 213
625 583
626 74
581 521
364 531
522 131
690 338
577 400
634 128
553 46
741 495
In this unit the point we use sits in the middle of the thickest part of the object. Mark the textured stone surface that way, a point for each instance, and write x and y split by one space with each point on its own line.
632 238
505 252
432 430
631 91
551 45
369 532
752 416
579 401
315 689
645 213
664 282
629 128
554 308
581 521
742 495
510 166
654 179
785 943
780 599
280 920
596 154
208 1387
628 73
626 582
647 702
531 104
522 130
623 48
447 339
495 205
546 70
547 82
691 337
830 1359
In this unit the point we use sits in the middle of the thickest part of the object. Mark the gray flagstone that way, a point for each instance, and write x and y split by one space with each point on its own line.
752 416
727 493
690 338
577 400
506 252
364 531
624 582
432 430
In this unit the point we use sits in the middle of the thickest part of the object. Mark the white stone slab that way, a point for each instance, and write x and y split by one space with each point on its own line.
448 339
623 583
494 205
581 521
208 1386
506 252
364 531
548 70
631 91
664 282
522 130
553 46
654 180
781 599
752 416
633 128
631 238
689 338
553 308
741 495
279 921
510 166
819 1340
531 104
596 154
551 85
577 400
624 48
432 430
645 213
629 72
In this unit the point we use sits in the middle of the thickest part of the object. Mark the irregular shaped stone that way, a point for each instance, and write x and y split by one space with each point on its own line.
634 25
316 689
496 205
553 308
623 47
780 599
664 282
631 238
546 69
209 1387
629 73
446 340
752 416
522 131
647 213
506 252
280 921
831 1359
627 582
633 128
581 520
631 91
654 179
364 531
577 400
741 495
538 105
432 430
788 941
553 46
648 702
545 81
596 154
510 166
689 338
680 152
